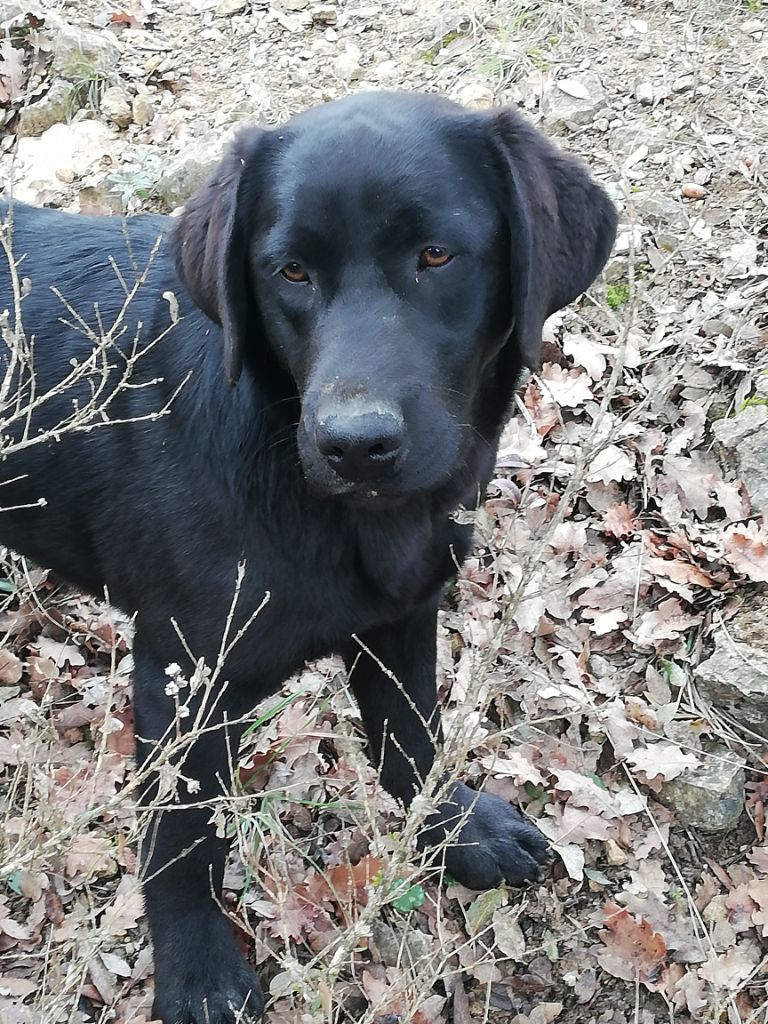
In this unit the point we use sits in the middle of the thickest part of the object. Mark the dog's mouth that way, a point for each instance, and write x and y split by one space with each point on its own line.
367 494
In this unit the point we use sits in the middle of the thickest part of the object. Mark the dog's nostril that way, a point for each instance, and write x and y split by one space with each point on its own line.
377 451
335 453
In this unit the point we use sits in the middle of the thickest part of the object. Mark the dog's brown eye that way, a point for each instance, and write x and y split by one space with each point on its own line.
295 273
434 256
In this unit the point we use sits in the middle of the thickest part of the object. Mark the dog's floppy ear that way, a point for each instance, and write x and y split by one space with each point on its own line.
562 227
210 239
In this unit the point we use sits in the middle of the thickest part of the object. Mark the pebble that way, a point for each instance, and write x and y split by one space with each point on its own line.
644 93
229 7
347 65
142 110
476 96
325 15
116 107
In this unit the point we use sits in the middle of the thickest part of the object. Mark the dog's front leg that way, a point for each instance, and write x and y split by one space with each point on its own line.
393 676
200 975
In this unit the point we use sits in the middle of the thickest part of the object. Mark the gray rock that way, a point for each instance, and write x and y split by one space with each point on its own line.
186 174
116 107
624 139
710 796
735 679
10 10
476 96
659 210
746 436
83 54
229 7
644 93
347 64
142 109
327 14
574 101
56 107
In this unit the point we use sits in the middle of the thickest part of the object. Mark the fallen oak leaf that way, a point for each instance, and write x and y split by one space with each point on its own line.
692 479
665 760
125 910
619 520
634 951
587 353
11 669
344 884
611 463
570 389
759 857
758 891
729 969
90 855
678 571
745 547
685 989
586 792
666 622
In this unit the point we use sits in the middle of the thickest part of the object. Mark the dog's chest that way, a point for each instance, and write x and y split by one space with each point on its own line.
327 583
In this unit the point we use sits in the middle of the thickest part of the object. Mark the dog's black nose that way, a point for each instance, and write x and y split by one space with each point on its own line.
361 446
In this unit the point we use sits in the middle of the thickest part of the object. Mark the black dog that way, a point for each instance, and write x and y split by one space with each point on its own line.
353 298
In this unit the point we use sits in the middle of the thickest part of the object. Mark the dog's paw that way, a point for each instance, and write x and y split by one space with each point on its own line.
211 988
494 845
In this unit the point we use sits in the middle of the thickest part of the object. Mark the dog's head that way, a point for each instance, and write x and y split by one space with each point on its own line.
398 255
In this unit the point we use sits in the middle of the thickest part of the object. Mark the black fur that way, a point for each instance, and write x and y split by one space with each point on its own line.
161 511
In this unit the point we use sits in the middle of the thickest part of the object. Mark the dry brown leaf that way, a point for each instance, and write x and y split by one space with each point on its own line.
759 857
587 352
679 571
19 988
569 388
633 950
611 463
11 668
508 934
746 548
666 622
619 521
585 792
90 854
686 989
729 969
60 652
758 891
126 909
11 72
665 760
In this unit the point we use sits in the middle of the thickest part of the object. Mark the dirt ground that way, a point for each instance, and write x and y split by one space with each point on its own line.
617 541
